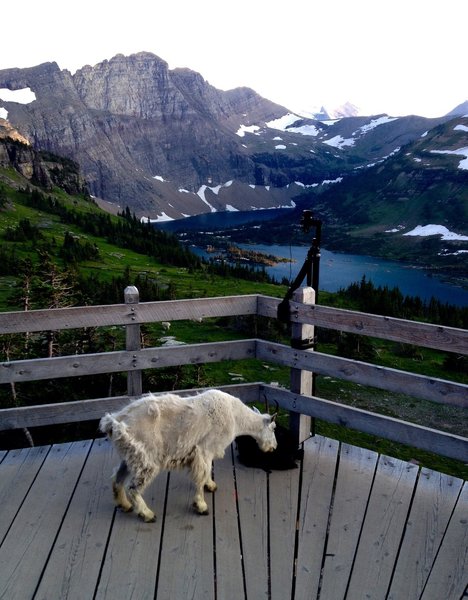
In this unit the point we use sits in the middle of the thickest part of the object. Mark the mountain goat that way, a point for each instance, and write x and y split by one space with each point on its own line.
167 432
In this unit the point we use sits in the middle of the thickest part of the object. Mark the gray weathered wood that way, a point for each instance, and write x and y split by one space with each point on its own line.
19 468
187 565
382 529
439 337
320 456
449 575
133 341
228 556
131 561
119 314
284 493
433 504
410 434
386 378
449 339
73 567
114 362
253 515
23 556
354 482
301 381
89 410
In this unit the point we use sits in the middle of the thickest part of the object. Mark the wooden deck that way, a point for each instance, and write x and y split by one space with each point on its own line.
347 524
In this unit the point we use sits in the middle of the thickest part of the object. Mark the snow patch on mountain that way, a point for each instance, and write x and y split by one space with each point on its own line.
339 142
375 123
162 218
463 164
283 122
243 129
427 230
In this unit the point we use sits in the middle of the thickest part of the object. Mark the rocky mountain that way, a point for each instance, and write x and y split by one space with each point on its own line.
42 169
167 144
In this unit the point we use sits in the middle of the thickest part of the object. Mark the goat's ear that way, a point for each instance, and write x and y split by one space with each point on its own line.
255 409
273 417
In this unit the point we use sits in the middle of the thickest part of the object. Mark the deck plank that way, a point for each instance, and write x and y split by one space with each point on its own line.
449 576
382 529
253 514
73 567
318 474
131 560
19 468
284 492
25 549
187 563
354 482
229 571
433 504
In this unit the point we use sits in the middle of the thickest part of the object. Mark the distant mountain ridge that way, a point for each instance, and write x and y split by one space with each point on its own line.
167 144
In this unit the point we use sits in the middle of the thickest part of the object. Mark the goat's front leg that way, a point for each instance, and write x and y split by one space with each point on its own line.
201 474
210 485
137 485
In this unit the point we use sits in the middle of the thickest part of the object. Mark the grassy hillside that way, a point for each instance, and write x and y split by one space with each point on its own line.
78 237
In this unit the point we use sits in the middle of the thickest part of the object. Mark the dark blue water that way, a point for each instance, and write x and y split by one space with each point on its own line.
220 220
337 270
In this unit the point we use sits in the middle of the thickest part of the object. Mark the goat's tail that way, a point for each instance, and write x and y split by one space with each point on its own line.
107 424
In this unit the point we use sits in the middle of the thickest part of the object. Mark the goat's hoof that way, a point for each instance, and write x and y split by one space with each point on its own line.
148 518
201 510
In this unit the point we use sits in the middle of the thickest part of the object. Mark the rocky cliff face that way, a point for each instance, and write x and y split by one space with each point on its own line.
42 169
140 132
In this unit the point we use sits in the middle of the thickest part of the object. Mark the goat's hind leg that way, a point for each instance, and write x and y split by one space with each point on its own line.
201 475
119 477
137 485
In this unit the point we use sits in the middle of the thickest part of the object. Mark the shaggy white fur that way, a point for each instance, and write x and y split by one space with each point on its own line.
167 432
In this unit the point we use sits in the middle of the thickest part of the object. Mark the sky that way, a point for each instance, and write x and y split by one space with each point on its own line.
385 56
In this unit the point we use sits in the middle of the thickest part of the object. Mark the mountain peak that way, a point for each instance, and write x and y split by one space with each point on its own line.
348 109
459 111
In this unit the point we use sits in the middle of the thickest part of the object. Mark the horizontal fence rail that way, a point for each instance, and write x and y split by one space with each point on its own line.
91 410
79 365
126 314
410 434
386 378
449 339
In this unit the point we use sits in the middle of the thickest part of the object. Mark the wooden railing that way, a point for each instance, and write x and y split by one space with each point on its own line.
298 400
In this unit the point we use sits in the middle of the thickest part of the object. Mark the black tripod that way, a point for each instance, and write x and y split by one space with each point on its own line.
310 270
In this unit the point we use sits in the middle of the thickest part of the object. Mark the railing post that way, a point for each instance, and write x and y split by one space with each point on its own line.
133 341
302 336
